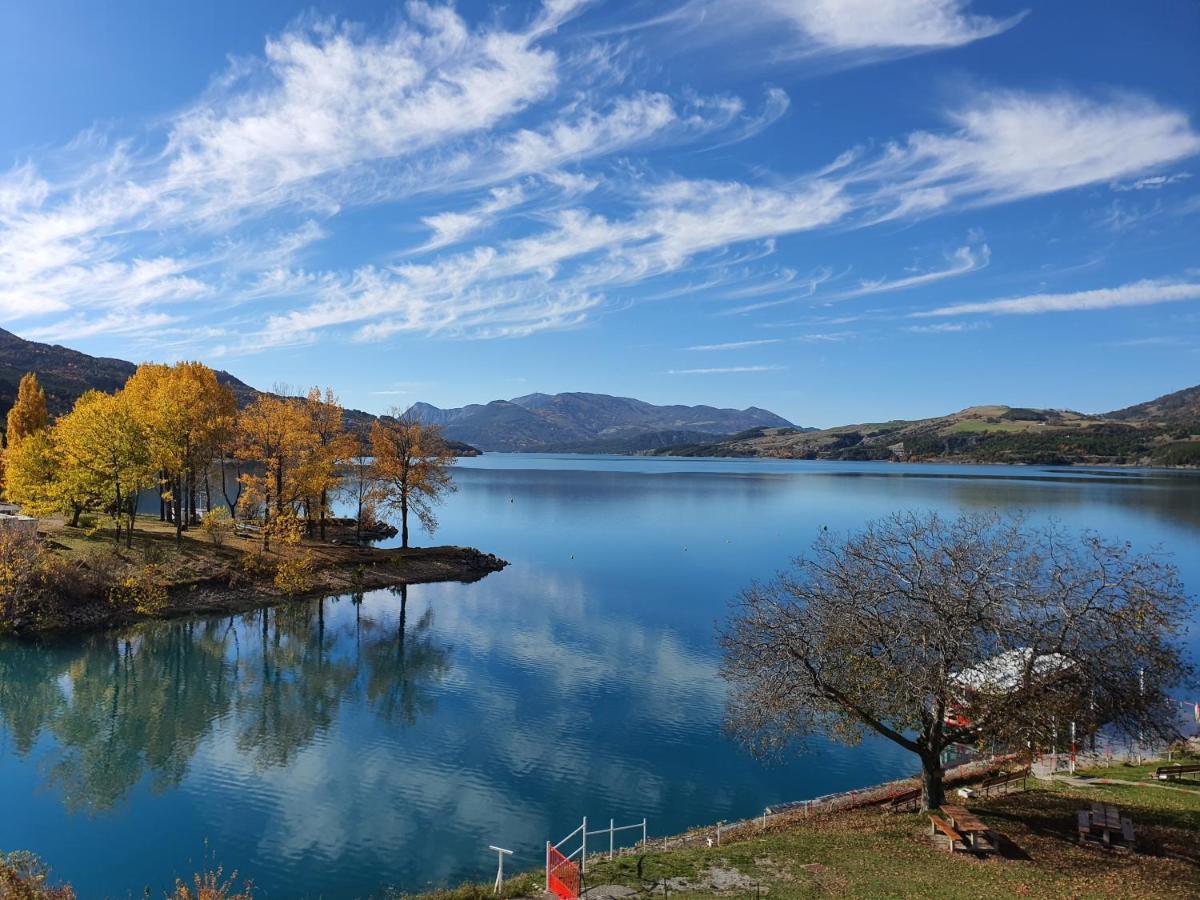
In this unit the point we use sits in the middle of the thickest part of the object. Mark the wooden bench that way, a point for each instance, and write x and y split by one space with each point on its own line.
937 824
1127 831
1083 822
1004 781
907 801
1169 773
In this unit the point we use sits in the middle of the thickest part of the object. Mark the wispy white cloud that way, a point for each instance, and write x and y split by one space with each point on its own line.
861 25
1138 293
962 261
947 327
837 32
736 345
1152 182
492 125
727 370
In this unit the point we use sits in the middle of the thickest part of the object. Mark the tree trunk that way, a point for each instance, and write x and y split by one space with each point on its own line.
933 791
76 511
404 520
132 501
358 523
118 512
192 517
178 501
324 501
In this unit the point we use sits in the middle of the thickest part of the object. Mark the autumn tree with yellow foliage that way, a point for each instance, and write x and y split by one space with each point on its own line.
187 415
26 416
412 469
272 431
328 449
104 445
28 413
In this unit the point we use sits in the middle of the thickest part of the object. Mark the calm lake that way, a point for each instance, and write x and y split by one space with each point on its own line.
328 749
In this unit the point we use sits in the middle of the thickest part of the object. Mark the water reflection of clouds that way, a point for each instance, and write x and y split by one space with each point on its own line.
338 747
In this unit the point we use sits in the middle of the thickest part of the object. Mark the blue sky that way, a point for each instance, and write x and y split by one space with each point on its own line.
842 211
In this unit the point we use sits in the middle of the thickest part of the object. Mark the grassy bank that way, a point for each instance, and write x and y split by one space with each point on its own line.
869 854
75 579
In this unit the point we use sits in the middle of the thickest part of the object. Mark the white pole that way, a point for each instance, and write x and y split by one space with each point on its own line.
583 853
611 832
500 854
547 867
718 834
643 833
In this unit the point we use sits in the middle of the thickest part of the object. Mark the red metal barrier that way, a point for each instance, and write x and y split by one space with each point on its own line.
562 875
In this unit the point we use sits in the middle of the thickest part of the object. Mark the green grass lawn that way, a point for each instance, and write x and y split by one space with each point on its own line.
1143 772
869 854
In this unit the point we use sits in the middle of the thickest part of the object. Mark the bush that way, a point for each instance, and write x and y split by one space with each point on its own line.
22 560
287 528
295 576
143 591
212 886
256 564
25 877
217 525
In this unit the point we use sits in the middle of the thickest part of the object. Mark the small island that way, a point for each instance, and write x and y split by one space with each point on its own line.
245 503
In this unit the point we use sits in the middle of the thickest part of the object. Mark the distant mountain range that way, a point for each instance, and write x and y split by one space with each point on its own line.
1164 431
65 374
594 423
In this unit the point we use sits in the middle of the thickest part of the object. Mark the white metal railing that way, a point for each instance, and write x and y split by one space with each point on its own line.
611 831
582 831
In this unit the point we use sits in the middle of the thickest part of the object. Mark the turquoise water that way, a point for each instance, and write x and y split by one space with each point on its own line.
328 749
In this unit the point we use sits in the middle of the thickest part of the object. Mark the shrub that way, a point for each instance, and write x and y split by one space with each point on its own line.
256 564
217 525
142 591
295 576
22 561
212 886
287 528
25 877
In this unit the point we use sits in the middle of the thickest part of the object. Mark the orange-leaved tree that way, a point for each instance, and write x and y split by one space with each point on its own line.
28 412
27 415
412 469
273 432
327 450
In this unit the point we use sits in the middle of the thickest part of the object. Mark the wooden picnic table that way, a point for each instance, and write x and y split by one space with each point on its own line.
977 835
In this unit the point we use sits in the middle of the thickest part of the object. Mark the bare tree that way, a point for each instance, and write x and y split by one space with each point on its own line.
932 632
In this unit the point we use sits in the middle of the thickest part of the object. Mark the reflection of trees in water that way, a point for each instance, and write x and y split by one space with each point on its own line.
120 707
402 665
30 693
138 704
295 687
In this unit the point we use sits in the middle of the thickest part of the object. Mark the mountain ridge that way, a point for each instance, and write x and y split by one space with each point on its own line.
573 420
1160 432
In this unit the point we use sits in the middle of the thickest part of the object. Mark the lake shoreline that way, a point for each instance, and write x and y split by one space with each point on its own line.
227 585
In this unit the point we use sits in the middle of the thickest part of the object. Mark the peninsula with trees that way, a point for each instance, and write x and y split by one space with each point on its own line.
241 501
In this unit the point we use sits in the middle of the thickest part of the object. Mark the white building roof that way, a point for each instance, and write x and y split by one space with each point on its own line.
1005 671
